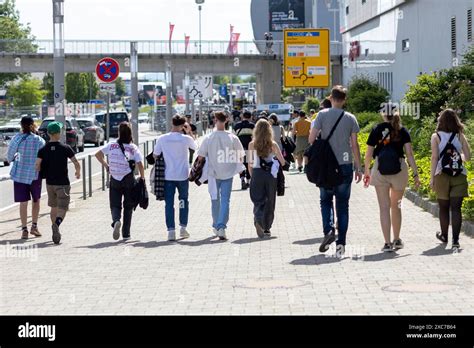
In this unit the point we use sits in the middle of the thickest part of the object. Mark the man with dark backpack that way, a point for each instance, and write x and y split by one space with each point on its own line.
244 130
336 149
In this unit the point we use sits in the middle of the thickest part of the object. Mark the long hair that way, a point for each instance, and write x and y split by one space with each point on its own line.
395 121
274 118
449 122
28 128
263 138
125 133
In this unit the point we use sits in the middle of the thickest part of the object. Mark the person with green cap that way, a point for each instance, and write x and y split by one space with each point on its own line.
52 162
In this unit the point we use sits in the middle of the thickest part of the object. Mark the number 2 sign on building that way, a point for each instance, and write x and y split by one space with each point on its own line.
107 70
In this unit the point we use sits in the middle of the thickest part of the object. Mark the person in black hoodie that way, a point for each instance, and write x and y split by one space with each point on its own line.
244 130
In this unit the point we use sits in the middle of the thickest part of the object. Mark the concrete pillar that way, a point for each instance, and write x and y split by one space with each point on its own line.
269 82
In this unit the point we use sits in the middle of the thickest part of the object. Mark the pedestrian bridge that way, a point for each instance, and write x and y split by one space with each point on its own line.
205 57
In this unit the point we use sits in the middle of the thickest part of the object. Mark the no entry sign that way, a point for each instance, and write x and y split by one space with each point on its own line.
107 70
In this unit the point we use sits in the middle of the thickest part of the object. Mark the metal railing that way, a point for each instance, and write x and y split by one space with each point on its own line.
208 47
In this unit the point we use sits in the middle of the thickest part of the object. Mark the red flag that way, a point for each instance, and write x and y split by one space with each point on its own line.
186 43
229 48
171 33
234 43
231 29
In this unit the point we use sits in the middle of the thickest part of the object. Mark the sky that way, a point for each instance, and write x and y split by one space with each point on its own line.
139 19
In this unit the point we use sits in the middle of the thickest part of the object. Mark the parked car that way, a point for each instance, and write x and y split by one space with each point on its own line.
6 135
74 133
14 122
143 117
93 131
116 117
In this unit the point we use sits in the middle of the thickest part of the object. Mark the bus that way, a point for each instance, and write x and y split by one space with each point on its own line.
283 111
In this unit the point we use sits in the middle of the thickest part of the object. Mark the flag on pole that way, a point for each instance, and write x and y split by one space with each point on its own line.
234 43
229 48
186 43
171 33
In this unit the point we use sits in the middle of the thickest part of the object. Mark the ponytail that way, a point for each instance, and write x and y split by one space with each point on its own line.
395 122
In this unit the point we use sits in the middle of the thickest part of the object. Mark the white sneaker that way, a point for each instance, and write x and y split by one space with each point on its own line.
215 231
171 236
221 234
184 233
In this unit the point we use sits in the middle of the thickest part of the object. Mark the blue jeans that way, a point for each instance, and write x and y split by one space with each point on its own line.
183 193
220 206
343 194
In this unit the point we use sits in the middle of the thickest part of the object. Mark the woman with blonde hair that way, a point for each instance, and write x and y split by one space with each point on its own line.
449 149
388 143
263 169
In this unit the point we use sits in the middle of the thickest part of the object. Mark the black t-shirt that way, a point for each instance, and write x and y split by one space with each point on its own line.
378 133
54 157
193 129
244 130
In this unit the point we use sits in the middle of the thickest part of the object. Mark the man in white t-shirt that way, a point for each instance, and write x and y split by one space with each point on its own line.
224 154
175 148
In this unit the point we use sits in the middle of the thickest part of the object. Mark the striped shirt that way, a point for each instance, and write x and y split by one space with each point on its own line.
23 151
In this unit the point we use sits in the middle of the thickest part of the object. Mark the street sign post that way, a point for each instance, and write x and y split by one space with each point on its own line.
107 71
307 59
201 87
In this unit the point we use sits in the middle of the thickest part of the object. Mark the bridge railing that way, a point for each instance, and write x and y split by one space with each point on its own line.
194 47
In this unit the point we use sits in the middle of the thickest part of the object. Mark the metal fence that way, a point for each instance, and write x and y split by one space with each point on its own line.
255 47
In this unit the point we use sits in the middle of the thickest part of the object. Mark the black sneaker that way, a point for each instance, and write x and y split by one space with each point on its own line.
260 231
387 247
56 234
116 233
244 185
398 244
328 239
456 246
442 237
267 233
300 169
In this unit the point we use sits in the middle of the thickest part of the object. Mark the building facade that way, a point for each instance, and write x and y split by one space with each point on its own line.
394 41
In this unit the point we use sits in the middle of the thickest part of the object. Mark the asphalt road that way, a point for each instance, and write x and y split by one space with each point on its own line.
6 187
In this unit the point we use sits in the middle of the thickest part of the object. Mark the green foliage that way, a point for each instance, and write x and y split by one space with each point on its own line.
420 133
468 58
12 29
26 92
428 93
365 94
310 103
48 86
368 118
119 87
288 95
80 87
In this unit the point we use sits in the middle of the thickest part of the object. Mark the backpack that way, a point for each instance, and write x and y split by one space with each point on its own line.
389 161
323 168
451 161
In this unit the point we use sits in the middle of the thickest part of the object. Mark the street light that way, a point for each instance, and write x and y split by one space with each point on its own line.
199 3
58 63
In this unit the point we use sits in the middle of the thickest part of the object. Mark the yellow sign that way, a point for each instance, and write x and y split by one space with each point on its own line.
307 60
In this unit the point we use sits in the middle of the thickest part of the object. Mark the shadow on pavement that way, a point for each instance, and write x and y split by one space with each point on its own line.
15 241
382 256
15 231
29 219
320 259
309 241
106 244
153 244
207 241
252 240
46 245
439 250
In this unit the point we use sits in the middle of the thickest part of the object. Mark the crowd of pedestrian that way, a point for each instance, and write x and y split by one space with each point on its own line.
323 145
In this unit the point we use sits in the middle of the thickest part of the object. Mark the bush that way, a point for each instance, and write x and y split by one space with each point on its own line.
364 94
366 118
310 103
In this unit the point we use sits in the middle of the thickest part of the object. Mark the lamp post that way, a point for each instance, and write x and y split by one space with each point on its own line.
169 96
199 3
134 85
58 64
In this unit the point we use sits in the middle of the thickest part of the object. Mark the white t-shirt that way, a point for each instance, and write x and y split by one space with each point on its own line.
224 153
175 149
118 164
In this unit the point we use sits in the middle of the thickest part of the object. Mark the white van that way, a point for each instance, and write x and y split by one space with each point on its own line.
283 111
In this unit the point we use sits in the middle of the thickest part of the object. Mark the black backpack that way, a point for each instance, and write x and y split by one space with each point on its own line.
389 161
323 168
451 161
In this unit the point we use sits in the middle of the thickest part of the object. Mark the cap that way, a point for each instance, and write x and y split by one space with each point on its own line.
55 127
27 120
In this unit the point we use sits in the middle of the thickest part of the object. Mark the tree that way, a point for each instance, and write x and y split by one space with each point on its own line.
365 94
80 87
19 34
310 103
48 86
119 87
26 92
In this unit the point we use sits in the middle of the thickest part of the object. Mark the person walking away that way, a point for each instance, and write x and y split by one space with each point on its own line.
224 153
22 152
124 156
53 162
301 130
388 143
192 134
175 147
244 131
264 169
449 150
277 129
346 149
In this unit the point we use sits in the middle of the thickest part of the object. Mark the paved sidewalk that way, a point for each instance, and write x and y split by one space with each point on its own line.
90 273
